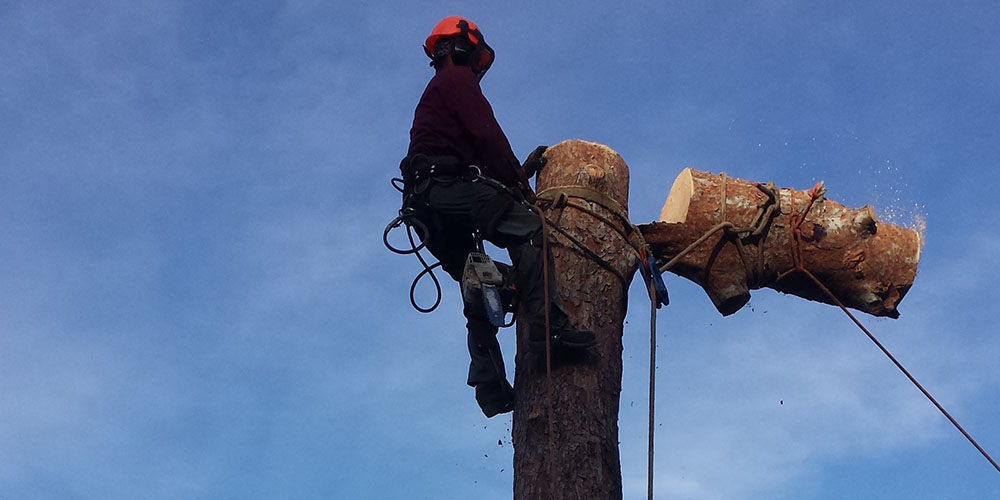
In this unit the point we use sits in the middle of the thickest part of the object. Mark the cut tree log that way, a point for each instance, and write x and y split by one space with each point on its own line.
580 459
868 264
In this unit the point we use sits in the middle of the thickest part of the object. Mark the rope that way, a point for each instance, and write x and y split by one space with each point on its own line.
589 194
754 232
612 206
795 240
631 234
628 231
548 343
586 251
652 387
407 217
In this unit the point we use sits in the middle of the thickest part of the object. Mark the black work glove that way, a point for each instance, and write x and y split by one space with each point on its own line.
534 162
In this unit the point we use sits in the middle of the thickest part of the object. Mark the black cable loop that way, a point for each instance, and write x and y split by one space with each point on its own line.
428 269
407 217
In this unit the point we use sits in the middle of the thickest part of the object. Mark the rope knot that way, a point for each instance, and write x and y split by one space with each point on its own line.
817 191
561 201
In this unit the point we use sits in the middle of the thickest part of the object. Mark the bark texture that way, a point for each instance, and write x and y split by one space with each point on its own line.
584 461
868 264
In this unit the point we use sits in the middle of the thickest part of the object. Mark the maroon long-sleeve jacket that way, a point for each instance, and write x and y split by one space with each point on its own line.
454 118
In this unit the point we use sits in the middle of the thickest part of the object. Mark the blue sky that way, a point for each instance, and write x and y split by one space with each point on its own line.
195 302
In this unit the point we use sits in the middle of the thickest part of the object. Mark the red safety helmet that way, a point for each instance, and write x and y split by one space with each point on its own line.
460 38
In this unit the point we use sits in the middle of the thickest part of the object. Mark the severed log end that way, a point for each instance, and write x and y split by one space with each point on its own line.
869 265
675 208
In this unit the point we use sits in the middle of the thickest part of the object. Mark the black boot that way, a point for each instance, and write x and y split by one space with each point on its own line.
495 398
564 336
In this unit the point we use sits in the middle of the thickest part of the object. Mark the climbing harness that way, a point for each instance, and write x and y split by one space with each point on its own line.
483 270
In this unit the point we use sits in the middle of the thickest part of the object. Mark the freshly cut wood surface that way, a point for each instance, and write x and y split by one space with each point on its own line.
675 209
868 264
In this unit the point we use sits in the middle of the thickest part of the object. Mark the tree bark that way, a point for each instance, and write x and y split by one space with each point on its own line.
868 264
583 460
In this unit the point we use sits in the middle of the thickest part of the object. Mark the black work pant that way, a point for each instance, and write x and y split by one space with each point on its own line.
455 209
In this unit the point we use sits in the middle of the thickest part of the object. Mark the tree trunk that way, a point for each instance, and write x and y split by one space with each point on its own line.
868 264
583 460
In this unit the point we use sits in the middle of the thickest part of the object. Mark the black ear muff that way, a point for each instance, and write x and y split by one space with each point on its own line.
475 54
484 57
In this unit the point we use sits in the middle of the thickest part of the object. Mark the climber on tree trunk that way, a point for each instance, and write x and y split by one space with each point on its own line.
465 185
